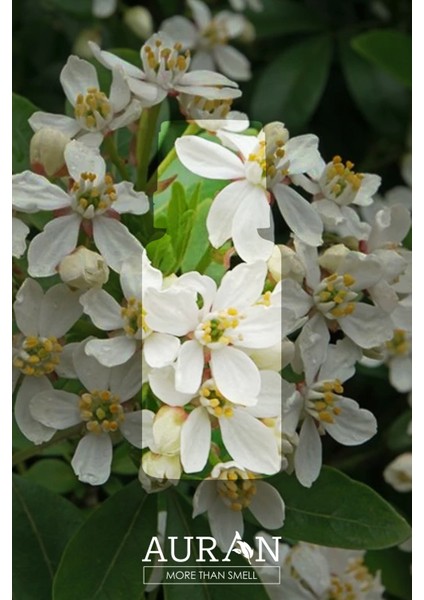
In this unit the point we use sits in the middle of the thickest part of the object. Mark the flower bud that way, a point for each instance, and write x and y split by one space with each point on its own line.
275 133
81 47
167 426
140 21
331 259
161 467
248 34
46 151
84 269
399 473
284 263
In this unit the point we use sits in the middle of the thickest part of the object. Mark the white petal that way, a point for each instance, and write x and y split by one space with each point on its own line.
204 497
102 309
202 60
340 361
160 349
253 214
295 298
130 201
221 214
236 375
366 270
32 429
207 78
162 382
125 380
131 277
109 60
267 506
201 13
299 215
208 159
132 428
308 455
66 125
114 242
302 153
104 8
232 62
241 287
60 309
27 306
56 409
66 366
270 398
250 443
147 428
113 351
189 367
130 114
181 30
262 327
313 345
173 310
367 326
120 94
313 568
20 232
32 192
224 524
48 248
147 93
195 440
76 77
400 374
353 426
91 373
81 159
92 459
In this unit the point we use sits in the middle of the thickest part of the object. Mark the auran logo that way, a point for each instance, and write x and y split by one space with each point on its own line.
205 547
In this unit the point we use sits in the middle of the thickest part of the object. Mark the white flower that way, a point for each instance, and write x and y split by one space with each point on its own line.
285 264
42 318
130 324
310 572
320 404
213 115
93 202
83 269
164 72
95 113
99 410
242 207
225 494
208 37
399 473
20 232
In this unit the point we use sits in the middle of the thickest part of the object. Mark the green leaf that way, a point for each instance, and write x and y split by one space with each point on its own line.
42 525
338 511
102 561
291 86
388 49
180 523
22 133
285 17
395 567
198 242
79 8
179 221
398 438
162 255
53 474
382 100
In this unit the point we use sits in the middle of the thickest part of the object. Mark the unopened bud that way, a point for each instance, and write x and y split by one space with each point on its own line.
81 47
284 263
140 21
161 467
248 34
275 133
167 426
399 473
332 258
84 269
46 151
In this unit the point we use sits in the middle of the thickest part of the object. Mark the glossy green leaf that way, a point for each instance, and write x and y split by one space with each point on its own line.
53 474
388 49
338 511
290 87
162 255
285 17
198 242
21 132
383 101
42 525
103 560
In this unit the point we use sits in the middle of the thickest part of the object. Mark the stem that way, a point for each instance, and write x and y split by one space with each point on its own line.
192 129
60 436
111 149
145 138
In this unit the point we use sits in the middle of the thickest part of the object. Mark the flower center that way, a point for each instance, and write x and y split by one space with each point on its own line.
160 59
322 400
92 109
259 157
340 177
91 198
236 488
361 581
134 316
218 328
215 34
101 411
212 399
38 355
334 296
399 344
196 107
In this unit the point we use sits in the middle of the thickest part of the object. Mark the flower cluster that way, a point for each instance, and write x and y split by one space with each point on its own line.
229 372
